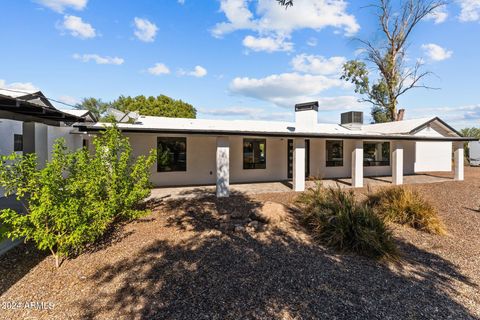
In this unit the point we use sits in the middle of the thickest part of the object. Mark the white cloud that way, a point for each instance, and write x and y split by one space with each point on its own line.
61 5
77 27
198 72
98 59
459 116
271 20
439 15
19 86
469 10
268 44
285 89
145 30
246 113
318 64
435 52
182 2
158 69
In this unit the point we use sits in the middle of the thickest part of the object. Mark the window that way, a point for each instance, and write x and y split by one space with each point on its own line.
254 156
376 154
17 142
172 154
85 143
334 153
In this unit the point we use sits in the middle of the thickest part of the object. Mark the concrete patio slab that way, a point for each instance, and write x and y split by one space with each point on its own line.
285 186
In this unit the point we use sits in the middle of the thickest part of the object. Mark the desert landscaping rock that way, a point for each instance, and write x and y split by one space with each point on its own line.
153 269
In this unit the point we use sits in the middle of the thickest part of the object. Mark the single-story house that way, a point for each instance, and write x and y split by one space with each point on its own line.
220 152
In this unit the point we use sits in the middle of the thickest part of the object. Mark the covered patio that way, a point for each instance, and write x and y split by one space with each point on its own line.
286 186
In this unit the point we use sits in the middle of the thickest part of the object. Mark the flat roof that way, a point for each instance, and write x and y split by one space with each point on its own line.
401 130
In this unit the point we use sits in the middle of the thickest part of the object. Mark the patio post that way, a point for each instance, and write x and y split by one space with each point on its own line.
397 163
357 164
459 160
223 167
299 164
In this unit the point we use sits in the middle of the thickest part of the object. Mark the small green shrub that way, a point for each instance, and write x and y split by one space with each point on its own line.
339 221
406 206
77 195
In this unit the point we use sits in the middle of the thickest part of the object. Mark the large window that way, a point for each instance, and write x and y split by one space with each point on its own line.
172 154
17 142
376 154
334 153
254 154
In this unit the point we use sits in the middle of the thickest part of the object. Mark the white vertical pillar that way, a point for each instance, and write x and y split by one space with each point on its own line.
35 140
397 163
299 164
459 160
357 164
223 167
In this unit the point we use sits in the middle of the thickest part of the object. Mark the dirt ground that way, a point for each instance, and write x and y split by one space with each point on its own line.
204 259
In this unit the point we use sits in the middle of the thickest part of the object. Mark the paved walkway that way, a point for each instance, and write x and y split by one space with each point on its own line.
269 187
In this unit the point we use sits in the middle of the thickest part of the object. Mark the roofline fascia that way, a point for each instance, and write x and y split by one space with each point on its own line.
277 134
420 127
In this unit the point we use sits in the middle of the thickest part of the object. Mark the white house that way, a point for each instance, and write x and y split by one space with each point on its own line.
203 152
30 123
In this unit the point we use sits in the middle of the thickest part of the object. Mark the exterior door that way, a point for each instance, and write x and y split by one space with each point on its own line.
290 158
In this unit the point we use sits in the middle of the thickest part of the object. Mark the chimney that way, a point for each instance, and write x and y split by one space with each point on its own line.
352 120
306 116
401 114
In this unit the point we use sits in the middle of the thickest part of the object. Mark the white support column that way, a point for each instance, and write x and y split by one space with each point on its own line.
299 164
357 164
223 167
397 163
459 160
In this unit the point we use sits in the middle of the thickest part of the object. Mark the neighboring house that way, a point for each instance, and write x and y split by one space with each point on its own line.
30 123
221 152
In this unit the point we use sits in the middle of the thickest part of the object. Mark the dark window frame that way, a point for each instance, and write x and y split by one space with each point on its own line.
17 142
254 165
334 163
378 163
175 164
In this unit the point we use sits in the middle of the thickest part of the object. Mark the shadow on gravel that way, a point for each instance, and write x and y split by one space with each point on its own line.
236 275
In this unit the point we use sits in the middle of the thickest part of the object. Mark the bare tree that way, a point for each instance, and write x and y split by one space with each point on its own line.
387 56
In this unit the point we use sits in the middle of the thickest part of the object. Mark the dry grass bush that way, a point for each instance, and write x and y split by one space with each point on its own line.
405 206
339 221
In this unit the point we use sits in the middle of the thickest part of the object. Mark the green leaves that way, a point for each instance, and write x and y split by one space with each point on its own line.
161 106
74 199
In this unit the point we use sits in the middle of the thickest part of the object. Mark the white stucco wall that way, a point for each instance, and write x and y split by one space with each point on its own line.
72 141
7 129
432 155
201 160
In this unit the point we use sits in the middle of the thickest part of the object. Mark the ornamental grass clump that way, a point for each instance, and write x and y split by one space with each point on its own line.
406 206
337 220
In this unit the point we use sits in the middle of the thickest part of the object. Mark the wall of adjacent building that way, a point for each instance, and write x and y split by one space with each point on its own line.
432 155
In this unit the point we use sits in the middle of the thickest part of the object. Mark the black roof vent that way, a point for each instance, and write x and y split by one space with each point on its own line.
306 106
352 117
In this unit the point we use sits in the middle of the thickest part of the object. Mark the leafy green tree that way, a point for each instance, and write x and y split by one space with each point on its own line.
96 106
161 106
77 195
386 56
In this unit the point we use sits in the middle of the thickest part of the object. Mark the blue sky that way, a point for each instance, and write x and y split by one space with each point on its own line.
234 59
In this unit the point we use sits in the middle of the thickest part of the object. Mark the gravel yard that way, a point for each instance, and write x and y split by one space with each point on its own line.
206 258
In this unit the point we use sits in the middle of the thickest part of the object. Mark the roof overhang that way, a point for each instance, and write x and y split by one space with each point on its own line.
24 110
292 134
